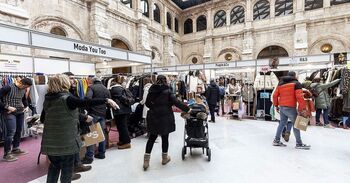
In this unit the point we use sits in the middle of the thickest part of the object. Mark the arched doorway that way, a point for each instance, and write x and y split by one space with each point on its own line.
117 43
274 52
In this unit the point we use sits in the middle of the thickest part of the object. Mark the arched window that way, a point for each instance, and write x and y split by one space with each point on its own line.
127 3
261 10
201 23
176 25
220 19
188 26
117 43
336 2
168 20
283 7
237 15
156 13
58 31
313 4
144 7
272 51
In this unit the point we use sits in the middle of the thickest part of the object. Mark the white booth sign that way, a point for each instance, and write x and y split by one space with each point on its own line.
182 68
139 58
195 67
14 36
220 65
165 69
147 70
248 63
311 59
47 42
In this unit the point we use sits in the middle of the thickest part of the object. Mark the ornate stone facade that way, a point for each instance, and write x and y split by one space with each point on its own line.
100 21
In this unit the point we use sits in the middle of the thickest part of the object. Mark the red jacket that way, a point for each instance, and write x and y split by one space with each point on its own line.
288 93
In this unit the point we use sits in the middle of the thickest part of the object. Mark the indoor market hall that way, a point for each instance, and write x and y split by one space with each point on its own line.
167 91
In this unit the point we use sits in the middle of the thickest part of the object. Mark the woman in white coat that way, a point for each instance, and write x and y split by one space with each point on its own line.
147 85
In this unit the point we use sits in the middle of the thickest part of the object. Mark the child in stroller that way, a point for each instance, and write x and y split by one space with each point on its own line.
196 133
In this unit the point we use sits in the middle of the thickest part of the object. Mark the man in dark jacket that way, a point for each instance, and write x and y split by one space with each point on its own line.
285 99
213 98
95 91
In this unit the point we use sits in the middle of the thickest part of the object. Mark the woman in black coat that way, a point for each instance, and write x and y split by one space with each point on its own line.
121 115
160 117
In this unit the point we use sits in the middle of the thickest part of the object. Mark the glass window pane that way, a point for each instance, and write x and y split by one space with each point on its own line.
176 25
336 2
313 4
127 3
144 8
261 10
188 26
237 15
283 7
168 20
201 23
156 13
220 19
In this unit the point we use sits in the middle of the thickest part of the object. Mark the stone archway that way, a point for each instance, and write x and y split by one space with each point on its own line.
272 52
120 44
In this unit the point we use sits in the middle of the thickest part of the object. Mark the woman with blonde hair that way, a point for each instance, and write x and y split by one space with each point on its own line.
61 138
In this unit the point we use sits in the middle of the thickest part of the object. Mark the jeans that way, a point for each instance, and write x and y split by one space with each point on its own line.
63 165
122 126
291 114
152 138
325 116
102 145
14 124
212 111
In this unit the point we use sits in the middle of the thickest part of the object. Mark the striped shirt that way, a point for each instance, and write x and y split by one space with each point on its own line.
13 96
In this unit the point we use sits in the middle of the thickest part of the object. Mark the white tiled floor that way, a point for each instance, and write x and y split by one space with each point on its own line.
242 152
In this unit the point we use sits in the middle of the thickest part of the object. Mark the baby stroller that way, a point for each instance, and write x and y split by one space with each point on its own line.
196 133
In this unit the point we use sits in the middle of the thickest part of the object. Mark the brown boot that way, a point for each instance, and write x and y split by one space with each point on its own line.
165 158
146 160
82 168
124 146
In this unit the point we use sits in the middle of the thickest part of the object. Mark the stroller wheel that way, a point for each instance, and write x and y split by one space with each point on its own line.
183 153
209 154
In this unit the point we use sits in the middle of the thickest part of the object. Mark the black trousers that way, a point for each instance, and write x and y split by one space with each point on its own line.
122 126
152 138
212 111
63 165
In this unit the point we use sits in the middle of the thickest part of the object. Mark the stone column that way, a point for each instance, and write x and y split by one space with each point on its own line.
326 3
272 9
248 43
228 18
99 22
208 50
164 20
168 53
150 9
249 11
210 22
194 21
300 40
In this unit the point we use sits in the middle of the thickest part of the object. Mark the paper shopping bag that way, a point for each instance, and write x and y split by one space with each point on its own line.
95 136
301 123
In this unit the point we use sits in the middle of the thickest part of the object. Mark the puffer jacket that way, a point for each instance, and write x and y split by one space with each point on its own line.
323 101
213 94
288 93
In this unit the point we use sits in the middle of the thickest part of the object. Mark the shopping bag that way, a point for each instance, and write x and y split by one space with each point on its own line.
95 136
301 123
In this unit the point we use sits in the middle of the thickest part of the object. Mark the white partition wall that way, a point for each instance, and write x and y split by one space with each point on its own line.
81 68
50 66
10 63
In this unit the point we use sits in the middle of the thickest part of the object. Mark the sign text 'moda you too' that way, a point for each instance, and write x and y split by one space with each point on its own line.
89 49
